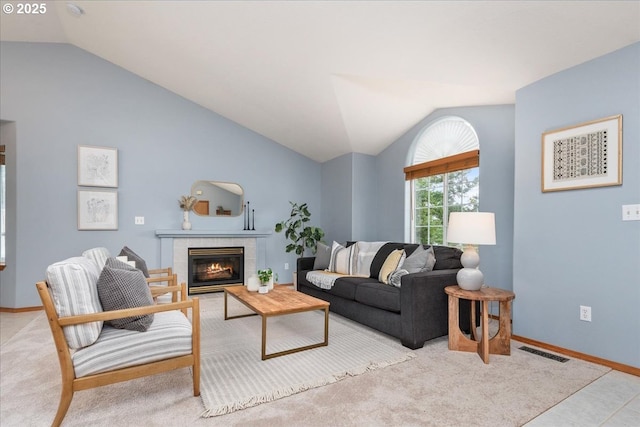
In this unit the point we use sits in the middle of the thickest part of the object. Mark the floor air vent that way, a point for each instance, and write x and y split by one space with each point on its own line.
544 354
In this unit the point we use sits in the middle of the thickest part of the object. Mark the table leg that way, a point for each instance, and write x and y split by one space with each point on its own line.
264 337
501 342
483 345
225 306
473 328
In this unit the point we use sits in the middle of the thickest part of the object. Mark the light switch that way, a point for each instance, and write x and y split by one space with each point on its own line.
139 220
631 212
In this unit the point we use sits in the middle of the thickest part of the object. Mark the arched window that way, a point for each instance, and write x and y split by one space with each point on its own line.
444 177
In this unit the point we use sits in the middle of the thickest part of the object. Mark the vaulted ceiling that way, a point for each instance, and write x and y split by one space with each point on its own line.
326 78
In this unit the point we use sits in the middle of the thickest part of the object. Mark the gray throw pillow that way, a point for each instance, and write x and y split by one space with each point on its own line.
123 286
132 256
323 257
420 260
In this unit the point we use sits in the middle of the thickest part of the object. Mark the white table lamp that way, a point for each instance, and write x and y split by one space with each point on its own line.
471 228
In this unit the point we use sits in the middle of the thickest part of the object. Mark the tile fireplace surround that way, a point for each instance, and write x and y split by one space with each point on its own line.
174 245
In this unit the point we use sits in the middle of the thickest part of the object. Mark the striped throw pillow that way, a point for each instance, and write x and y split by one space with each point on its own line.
73 290
342 259
98 255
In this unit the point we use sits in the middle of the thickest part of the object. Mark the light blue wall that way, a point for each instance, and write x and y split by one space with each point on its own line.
337 194
495 128
349 198
365 198
572 248
60 97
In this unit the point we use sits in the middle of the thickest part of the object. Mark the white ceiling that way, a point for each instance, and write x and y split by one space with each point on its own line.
326 78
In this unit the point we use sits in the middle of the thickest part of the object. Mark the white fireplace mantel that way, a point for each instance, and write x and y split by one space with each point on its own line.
211 233
174 244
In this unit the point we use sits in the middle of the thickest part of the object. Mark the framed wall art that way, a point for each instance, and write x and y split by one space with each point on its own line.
97 166
97 209
583 156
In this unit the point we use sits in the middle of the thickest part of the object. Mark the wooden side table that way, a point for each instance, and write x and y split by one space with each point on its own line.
500 343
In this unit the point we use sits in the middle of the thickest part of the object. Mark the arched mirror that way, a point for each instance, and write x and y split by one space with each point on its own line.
217 198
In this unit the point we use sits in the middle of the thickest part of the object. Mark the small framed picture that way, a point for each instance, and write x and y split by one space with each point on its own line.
97 209
97 166
583 156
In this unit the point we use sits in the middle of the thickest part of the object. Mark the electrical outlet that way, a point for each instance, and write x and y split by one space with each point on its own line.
139 220
286 265
585 313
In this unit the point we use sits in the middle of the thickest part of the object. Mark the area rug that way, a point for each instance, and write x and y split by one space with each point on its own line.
234 377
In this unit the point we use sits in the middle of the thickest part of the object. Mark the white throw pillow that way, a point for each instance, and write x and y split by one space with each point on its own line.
365 253
97 255
73 289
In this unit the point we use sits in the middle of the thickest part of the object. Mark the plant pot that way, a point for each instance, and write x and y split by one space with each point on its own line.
253 283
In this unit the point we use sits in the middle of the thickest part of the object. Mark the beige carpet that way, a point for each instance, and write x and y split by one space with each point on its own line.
437 388
234 377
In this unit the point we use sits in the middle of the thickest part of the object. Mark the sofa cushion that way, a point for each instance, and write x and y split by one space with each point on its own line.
420 260
376 294
391 264
123 286
342 259
447 257
132 256
323 257
97 255
73 289
168 336
345 287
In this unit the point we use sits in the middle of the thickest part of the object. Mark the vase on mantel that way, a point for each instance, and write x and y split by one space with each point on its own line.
186 224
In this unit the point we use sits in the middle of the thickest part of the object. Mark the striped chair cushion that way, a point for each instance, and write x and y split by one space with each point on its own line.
97 255
73 290
168 336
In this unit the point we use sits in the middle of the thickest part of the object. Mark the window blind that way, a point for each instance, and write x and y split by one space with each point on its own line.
467 160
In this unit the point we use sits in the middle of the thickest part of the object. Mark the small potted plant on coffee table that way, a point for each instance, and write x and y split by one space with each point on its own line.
266 279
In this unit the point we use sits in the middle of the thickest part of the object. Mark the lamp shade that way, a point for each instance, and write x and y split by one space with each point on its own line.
476 228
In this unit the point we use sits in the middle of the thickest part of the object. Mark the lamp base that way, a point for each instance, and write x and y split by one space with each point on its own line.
470 279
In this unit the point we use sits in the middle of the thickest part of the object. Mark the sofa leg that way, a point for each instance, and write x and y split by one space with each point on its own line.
412 345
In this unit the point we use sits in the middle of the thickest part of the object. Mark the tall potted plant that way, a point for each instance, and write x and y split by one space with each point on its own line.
297 230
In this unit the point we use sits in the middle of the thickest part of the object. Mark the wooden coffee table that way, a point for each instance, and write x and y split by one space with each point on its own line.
281 300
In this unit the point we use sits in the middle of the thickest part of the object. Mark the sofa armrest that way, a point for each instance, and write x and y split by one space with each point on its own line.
305 263
424 306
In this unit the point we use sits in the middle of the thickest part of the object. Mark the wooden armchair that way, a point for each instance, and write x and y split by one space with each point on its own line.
160 278
80 370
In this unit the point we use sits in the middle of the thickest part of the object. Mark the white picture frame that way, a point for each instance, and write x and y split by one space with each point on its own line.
97 209
586 155
97 166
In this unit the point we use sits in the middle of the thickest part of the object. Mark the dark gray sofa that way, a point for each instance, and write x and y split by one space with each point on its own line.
415 312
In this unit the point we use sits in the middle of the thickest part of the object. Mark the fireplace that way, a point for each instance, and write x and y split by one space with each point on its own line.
211 269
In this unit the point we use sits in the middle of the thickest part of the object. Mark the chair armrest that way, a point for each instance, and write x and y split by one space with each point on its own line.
165 271
161 290
128 312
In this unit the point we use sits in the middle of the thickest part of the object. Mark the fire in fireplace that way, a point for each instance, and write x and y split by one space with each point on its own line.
211 269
